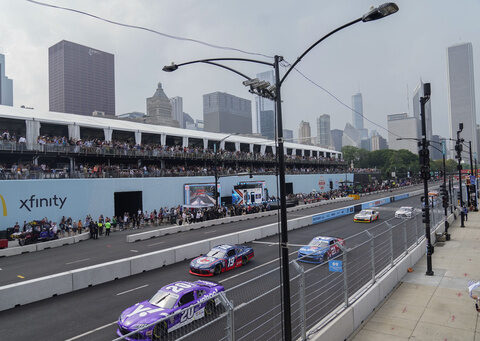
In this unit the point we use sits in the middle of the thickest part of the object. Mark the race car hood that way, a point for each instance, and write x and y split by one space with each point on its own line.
142 313
307 250
362 216
203 262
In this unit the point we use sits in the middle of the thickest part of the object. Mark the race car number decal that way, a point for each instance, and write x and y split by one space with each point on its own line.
187 314
178 287
231 261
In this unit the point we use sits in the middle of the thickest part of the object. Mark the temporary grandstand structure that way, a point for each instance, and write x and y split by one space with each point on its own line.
33 123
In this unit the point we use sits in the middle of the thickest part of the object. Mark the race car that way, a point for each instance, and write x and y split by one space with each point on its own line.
404 212
200 296
366 216
320 249
221 258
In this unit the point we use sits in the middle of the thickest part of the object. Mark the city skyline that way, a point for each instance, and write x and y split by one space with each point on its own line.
383 75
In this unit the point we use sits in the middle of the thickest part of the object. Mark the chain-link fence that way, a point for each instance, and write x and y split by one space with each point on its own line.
253 310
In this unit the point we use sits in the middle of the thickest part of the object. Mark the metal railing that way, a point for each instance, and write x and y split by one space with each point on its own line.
252 310
107 151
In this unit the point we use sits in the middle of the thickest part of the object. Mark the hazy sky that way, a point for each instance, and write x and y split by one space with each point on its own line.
380 59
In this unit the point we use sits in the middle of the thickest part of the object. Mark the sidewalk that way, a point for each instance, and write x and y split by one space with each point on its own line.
437 307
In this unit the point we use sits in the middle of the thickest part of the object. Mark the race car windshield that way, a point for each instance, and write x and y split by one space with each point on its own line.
365 212
319 243
216 253
163 299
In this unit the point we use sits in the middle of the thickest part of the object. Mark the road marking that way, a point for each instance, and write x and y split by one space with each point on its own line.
140 287
91 331
274 243
242 273
210 231
20 276
156 243
77 261
134 250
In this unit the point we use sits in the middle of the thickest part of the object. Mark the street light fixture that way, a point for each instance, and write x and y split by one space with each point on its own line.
273 92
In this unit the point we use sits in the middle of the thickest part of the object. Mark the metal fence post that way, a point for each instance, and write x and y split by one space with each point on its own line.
344 268
416 229
405 235
391 244
230 328
301 292
372 254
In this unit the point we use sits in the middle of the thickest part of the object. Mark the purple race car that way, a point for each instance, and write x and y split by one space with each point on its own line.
198 295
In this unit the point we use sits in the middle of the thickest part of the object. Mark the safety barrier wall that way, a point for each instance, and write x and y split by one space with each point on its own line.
18 250
351 318
46 287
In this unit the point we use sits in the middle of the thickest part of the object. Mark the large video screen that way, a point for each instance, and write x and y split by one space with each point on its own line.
248 192
200 195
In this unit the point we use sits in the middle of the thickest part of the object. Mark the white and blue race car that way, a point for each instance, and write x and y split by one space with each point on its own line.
320 249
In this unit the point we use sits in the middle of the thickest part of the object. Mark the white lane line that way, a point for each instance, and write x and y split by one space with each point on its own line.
257 267
91 331
210 231
77 261
140 287
134 250
274 243
156 243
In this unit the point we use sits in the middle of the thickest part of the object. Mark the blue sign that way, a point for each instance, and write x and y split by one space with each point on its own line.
335 266
318 218
444 147
472 179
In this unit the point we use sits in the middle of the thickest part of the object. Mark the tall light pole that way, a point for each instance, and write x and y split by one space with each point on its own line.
459 148
273 92
425 171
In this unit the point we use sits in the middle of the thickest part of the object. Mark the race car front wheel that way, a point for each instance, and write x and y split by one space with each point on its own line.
218 270
325 257
244 260
160 332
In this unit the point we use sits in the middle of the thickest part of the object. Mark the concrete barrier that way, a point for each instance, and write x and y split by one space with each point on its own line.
35 290
338 330
80 237
18 250
152 260
191 250
269 230
231 238
365 305
388 282
55 243
249 235
101 273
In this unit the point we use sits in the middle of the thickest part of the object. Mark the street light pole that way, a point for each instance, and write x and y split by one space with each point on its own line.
476 181
425 171
283 204
459 148
471 173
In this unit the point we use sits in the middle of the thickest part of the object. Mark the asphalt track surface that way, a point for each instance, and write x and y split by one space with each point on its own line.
91 313
27 266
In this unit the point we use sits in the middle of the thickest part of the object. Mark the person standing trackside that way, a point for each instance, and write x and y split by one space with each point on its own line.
100 228
107 228
465 212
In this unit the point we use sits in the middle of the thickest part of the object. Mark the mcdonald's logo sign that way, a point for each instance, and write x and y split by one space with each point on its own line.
4 206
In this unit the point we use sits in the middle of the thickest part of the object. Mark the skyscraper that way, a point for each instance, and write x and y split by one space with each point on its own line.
265 109
159 109
461 91
324 137
357 112
351 136
337 135
225 113
398 125
6 85
288 135
177 110
417 93
81 79
304 133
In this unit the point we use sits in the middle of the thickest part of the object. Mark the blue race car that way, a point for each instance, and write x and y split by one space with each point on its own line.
198 295
220 259
320 249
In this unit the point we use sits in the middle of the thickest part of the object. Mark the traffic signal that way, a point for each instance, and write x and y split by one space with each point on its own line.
424 156
425 172
424 215
444 193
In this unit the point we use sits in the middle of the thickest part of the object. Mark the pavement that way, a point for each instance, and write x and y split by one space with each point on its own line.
433 307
